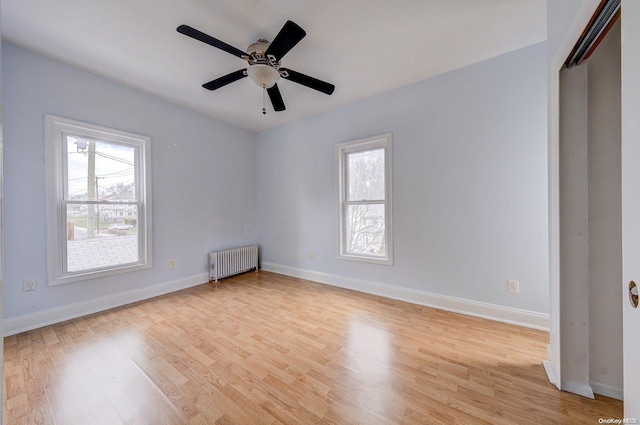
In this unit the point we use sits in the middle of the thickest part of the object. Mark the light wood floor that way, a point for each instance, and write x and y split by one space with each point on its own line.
261 348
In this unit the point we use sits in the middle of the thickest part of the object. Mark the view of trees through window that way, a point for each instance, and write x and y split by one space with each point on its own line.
365 223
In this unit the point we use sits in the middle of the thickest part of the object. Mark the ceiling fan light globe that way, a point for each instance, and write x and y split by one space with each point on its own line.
263 75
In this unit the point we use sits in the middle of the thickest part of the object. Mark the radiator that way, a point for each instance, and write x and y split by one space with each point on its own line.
232 261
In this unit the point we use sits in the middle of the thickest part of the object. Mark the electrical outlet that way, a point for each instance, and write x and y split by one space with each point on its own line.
29 285
312 256
173 263
299 255
514 286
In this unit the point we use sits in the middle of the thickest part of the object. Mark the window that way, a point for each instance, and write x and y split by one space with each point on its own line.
99 201
364 181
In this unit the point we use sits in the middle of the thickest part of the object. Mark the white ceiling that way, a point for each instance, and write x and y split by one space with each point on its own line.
364 47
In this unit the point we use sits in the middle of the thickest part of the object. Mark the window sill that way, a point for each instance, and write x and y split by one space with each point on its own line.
96 274
385 261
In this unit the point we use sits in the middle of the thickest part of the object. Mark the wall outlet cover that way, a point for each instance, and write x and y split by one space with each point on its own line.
29 285
514 287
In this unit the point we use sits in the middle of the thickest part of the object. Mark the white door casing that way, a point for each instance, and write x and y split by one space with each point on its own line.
631 202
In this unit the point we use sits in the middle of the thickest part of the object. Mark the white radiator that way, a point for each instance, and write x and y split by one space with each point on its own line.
232 261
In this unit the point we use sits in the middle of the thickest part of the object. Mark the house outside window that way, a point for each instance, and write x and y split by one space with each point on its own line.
364 190
99 201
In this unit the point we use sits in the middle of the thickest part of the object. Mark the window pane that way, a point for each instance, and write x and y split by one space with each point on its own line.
101 236
99 170
366 175
365 229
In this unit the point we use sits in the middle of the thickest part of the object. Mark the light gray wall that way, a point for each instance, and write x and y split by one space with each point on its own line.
560 16
469 179
203 178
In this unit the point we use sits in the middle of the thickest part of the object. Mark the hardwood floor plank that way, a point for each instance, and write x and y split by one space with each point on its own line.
86 405
262 348
135 397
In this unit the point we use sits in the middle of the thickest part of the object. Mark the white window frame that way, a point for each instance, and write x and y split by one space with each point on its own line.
383 141
56 130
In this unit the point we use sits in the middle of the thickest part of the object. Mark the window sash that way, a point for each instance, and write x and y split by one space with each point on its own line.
74 202
112 139
347 245
364 202
65 253
140 240
348 172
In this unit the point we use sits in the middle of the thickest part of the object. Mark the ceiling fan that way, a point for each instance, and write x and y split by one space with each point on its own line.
263 58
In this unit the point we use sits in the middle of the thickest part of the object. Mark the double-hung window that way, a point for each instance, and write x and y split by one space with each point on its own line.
99 200
364 181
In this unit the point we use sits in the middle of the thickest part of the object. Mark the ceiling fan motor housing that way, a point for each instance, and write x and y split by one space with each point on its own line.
256 53
258 48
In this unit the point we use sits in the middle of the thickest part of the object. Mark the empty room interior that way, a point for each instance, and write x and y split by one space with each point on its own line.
340 212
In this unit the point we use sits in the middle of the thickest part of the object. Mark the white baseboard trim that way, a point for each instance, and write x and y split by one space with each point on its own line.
607 390
549 367
27 322
529 319
578 388
549 370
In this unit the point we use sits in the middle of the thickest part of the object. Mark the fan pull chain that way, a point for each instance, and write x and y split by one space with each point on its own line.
264 100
